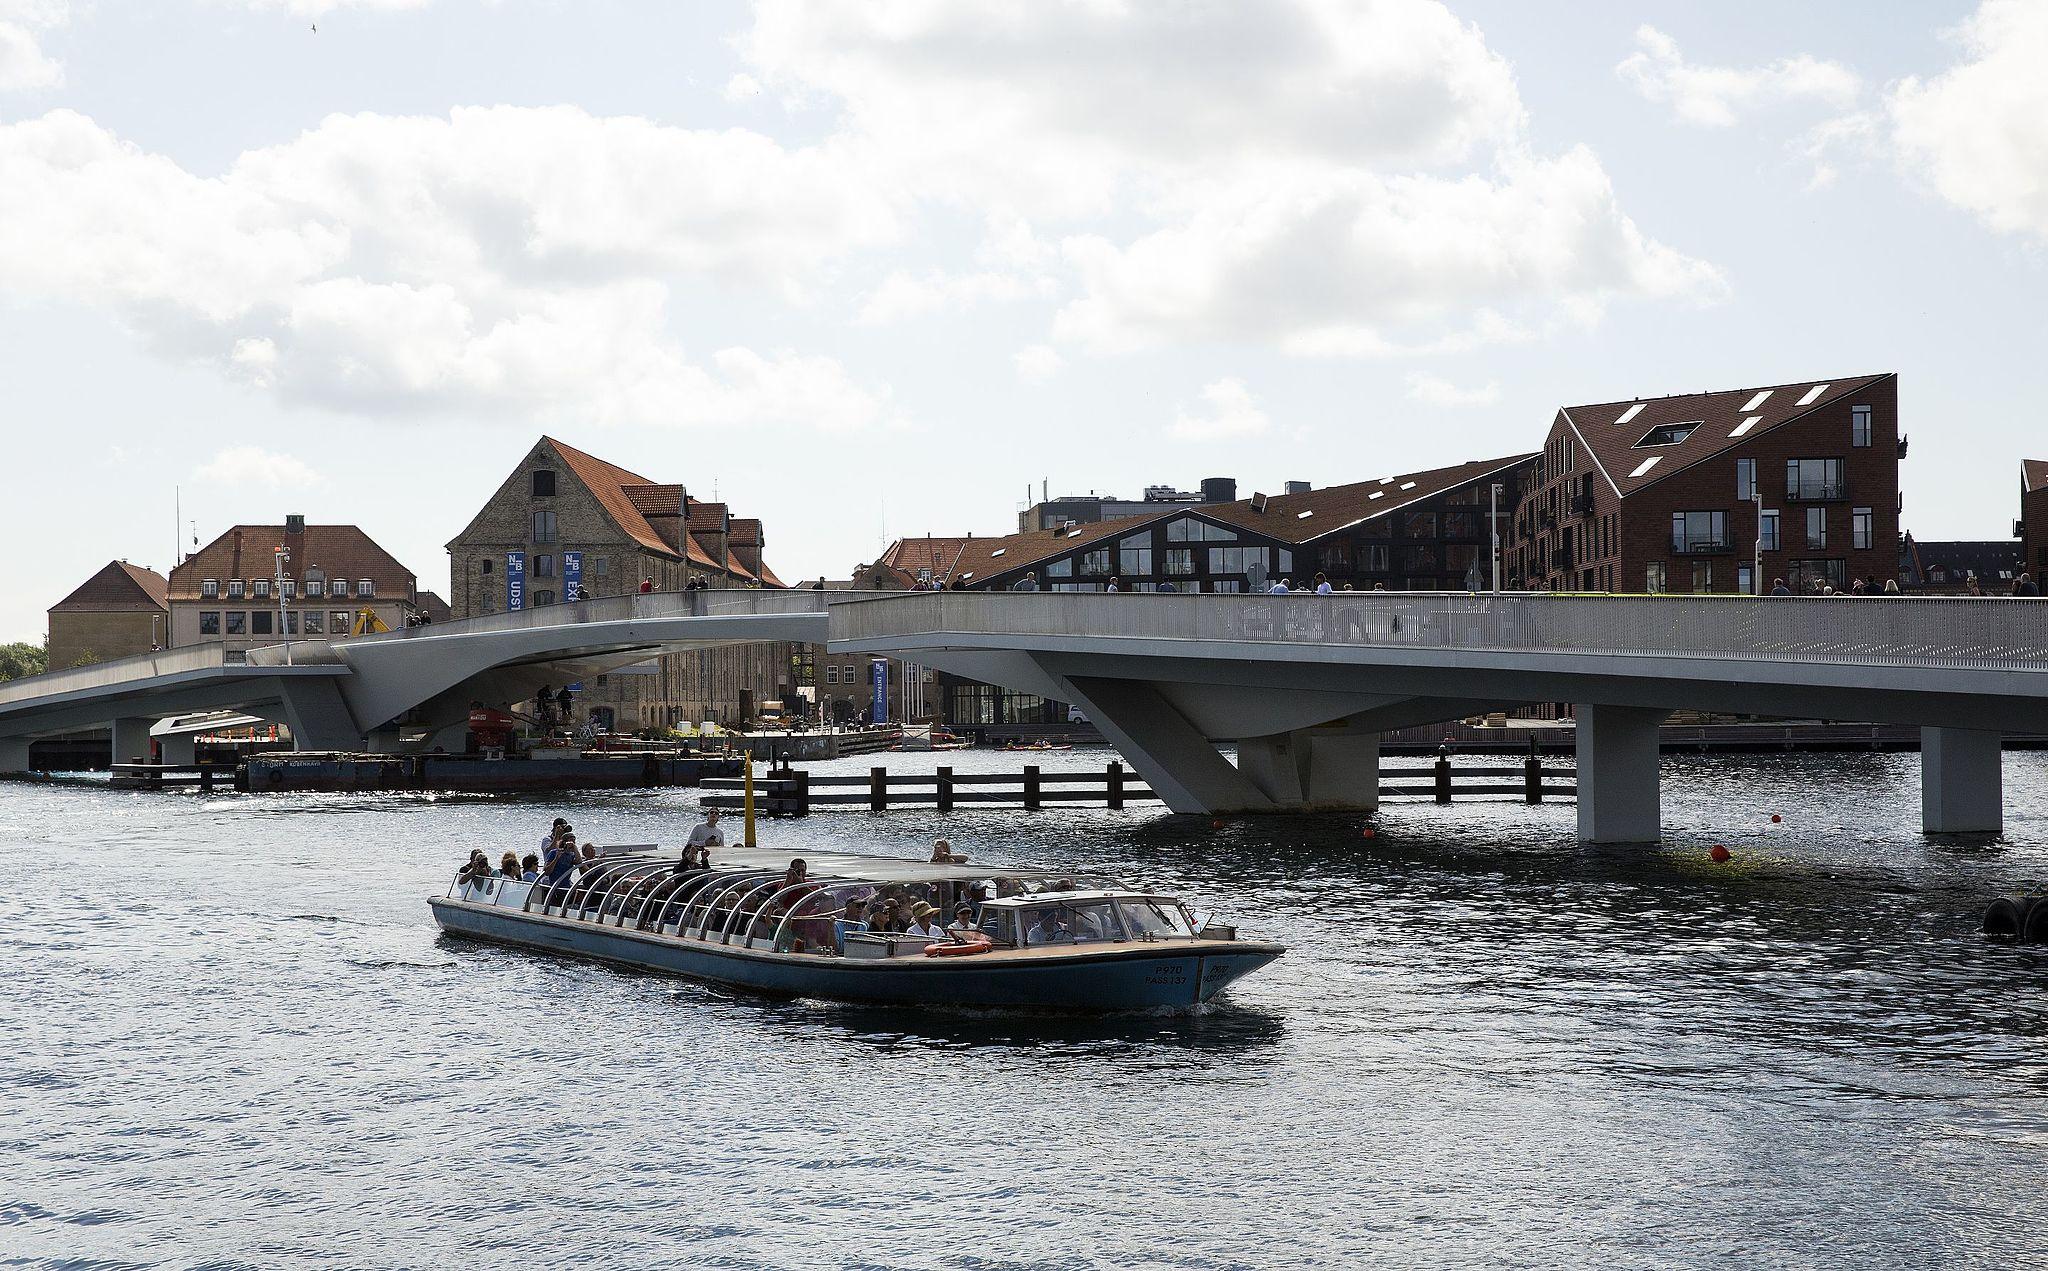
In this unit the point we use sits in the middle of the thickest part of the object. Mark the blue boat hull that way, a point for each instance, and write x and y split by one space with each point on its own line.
1123 977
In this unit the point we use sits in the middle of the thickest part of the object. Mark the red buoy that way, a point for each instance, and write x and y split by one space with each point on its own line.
1775 818
1719 854
1216 823
1367 832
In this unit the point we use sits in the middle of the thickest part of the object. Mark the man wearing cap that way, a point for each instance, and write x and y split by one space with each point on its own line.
963 927
854 919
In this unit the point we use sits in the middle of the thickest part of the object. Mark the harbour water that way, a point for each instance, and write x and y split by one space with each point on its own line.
230 1036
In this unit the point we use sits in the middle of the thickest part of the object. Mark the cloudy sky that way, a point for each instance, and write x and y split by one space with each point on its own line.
872 269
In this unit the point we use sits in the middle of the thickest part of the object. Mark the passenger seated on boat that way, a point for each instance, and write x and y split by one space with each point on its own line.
707 834
851 921
1047 930
508 865
921 924
887 917
796 873
963 926
694 860
474 870
529 868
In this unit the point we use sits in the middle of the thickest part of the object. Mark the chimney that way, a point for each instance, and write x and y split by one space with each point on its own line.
295 523
1297 487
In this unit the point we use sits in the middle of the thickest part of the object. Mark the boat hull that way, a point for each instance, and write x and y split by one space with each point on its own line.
1124 977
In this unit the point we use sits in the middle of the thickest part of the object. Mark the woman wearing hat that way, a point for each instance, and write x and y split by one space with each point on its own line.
921 923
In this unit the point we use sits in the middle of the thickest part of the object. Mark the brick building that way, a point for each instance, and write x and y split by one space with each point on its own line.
1656 494
2033 522
118 612
566 524
228 591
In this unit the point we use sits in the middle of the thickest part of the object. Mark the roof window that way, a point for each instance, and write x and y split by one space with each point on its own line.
1303 516
1407 485
1812 394
1631 413
1646 465
1756 401
1376 494
1746 425
1667 434
998 552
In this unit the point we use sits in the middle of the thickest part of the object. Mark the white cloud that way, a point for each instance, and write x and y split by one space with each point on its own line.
255 466
1276 172
1346 263
1433 390
1226 411
500 259
24 66
903 295
1977 133
1717 96
741 87
1037 363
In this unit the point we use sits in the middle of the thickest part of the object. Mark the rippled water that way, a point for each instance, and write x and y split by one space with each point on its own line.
231 1036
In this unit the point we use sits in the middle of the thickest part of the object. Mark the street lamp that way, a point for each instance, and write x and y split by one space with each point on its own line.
1493 523
281 560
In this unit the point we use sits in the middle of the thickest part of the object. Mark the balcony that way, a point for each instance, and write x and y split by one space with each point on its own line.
1582 505
1817 492
1701 546
1561 558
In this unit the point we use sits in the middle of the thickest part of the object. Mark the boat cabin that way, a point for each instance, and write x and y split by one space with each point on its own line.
1084 917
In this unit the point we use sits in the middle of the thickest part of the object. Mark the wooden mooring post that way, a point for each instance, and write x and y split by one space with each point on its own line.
1033 799
1443 776
878 789
945 788
1116 784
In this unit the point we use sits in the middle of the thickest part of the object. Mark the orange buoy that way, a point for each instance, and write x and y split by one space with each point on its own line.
1719 854
1216 824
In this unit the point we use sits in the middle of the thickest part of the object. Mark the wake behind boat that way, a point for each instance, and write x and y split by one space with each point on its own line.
753 919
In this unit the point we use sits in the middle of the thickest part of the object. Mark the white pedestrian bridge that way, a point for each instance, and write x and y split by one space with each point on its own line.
1303 685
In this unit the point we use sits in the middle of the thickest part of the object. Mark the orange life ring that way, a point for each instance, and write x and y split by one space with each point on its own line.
982 945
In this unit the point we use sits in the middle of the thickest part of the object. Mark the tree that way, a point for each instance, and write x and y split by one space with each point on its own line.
17 660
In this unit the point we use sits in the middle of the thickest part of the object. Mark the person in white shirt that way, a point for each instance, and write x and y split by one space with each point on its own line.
962 926
921 923
1279 588
707 834
1323 584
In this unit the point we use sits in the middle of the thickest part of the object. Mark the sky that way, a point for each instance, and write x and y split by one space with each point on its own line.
880 269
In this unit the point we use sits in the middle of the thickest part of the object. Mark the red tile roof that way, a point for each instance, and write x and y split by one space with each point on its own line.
931 554
1612 431
2034 474
608 482
655 500
746 529
708 516
245 552
118 588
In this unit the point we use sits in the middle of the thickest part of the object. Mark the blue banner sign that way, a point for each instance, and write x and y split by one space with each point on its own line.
572 575
878 670
515 580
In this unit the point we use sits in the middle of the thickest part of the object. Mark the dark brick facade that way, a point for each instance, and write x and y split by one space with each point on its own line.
1574 532
2034 521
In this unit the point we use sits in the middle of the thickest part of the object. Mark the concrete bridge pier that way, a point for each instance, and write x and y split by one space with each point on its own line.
1618 795
13 755
1961 790
180 748
1314 770
131 740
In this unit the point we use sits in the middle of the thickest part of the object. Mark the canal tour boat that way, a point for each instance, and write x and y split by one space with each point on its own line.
1040 941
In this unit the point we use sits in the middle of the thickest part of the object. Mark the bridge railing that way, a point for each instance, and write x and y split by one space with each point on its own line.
197 657
710 603
1962 631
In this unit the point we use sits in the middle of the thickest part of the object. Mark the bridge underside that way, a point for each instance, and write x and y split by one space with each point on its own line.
1307 735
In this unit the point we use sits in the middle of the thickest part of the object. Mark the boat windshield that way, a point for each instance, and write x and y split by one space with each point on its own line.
1149 919
1071 922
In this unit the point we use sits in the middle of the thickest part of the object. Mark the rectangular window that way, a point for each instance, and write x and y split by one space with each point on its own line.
337 622
1745 479
1767 532
831 674
365 588
1180 561
1134 555
1816 527
1095 561
261 588
1699 531
1859 529
291 622
1061 568
1286 556
543 597
1653 577
1805 573
1373 558
291 588
1859 425
1189 530
1745 580
260 622
316 622
236 589
209 587
1813 479
1422 559
1418 525
543 566
238 622
543 483
209 622
1464 524
1336 556
601 566
1702 575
